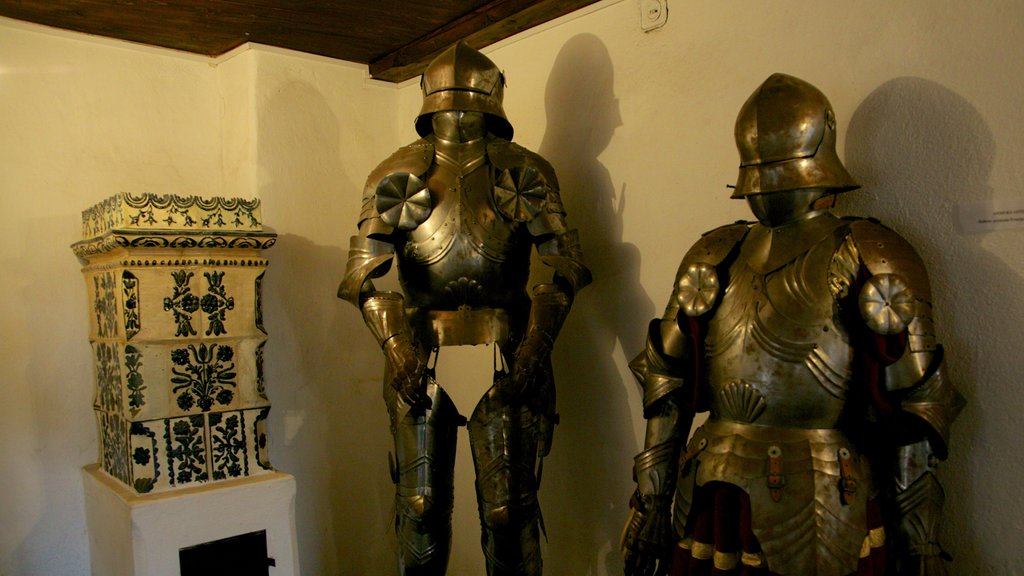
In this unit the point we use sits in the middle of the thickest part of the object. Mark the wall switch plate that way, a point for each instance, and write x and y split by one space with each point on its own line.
653 14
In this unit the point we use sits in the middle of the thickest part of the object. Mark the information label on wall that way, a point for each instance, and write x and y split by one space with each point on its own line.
997 214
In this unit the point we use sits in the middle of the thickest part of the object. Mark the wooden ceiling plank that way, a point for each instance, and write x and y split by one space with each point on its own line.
482 27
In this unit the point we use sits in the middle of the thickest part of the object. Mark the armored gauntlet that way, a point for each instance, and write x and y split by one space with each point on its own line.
384 314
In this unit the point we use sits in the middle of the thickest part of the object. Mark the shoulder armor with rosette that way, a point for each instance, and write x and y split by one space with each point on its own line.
895 299
395 194
525 187
697 288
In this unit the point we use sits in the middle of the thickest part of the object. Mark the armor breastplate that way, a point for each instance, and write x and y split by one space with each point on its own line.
777 354
465 255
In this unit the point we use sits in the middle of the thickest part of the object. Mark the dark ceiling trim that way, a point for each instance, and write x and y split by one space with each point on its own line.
482 27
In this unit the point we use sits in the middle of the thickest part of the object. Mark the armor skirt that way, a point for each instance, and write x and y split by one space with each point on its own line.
720 540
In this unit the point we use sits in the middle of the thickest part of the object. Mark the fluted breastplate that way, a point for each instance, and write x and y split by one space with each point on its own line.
777 354
464 254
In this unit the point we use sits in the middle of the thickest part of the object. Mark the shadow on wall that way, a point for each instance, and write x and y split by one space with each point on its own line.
588 480
920 149
327 427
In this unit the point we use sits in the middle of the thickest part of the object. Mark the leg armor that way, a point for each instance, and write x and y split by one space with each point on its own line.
424 472
504 443
918 502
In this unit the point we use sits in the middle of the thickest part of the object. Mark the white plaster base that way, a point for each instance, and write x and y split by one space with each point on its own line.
132 535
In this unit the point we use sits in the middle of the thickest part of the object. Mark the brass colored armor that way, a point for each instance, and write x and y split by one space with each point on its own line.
786 135
460 212
777 329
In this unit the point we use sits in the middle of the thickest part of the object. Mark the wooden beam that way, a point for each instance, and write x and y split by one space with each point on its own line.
482 27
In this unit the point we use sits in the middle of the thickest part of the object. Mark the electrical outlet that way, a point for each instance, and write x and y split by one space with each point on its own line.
653 14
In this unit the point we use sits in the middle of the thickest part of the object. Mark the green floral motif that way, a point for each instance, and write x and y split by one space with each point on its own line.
186 219
216 303
186 448
108 378
144 216
105 305
183 303
205 376
259 303
115 446
136 387
216 217
259 431
228 446
260 383
132 322
142 456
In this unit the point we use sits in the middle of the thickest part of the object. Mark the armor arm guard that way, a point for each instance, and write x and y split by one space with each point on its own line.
895 304
647 540
367 259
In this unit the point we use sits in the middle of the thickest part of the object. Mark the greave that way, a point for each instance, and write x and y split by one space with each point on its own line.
504 443
424 474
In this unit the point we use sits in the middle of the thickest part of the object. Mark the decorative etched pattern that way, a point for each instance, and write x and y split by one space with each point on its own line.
216 303
206 375
108 378
182 303
114 446
105 305
103 244
151 211
136 387
132 321
227 436
187 450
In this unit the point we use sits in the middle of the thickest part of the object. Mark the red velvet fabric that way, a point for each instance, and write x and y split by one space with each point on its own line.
721 517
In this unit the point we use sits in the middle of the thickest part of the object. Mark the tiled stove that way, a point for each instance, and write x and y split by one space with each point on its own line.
176 328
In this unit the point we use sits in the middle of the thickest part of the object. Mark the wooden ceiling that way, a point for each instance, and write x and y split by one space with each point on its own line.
395 38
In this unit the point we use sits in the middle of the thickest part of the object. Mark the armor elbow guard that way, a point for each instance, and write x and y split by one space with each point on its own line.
367 259
563 253
657 372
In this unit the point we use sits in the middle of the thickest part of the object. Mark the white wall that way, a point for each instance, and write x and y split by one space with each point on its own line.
639 127
79 121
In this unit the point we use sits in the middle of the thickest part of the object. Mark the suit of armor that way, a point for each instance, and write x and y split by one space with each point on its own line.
809 340
461 211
